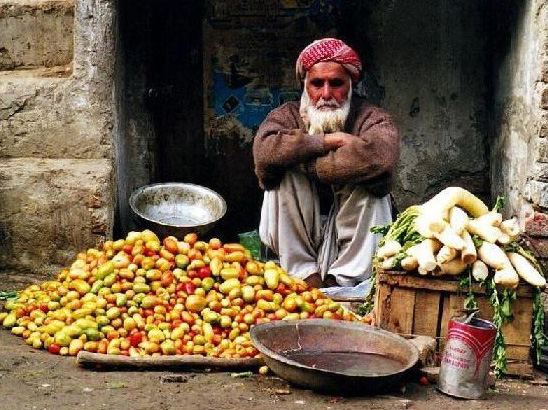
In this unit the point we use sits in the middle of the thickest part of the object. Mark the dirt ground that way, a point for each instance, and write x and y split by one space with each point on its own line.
35 379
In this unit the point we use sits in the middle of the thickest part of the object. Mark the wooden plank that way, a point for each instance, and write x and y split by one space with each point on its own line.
445 285
180 361
523 370
400 319
426 313
382 304
519 330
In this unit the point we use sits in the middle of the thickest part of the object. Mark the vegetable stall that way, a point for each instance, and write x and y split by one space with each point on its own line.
452 255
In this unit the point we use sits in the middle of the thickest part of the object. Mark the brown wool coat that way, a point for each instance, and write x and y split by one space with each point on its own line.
369 160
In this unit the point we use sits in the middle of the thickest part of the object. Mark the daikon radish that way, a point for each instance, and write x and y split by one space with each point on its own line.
526 270
427 228
468 254
458 219
449 238
479 270
388 263
390 248
491 218
504 239
493 256
456 196
510 227
424 253
422 271
486 232
507 277
453 267
409 263
446 254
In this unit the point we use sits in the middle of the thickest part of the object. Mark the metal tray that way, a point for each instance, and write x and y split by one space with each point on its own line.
334 356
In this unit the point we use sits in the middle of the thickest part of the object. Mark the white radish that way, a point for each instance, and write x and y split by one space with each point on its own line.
510 227
453 267
479 271
486 232
446 254
526 270
427 227
491 218
493 256
389 248
449 238
452 196
468 254
504 239
458 219
409 263
388 263
424 253
507 277
422 271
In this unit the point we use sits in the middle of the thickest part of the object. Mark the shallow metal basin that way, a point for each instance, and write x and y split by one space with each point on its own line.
176 208
334 356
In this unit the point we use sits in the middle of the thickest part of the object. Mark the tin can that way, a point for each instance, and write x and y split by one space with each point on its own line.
466 358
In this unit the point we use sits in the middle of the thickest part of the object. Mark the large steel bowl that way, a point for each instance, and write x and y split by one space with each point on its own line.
334 356
176 208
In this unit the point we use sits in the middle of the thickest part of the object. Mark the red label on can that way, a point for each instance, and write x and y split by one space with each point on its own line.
480 340
466 358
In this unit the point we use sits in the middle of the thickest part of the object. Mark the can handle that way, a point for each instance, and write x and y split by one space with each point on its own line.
470 316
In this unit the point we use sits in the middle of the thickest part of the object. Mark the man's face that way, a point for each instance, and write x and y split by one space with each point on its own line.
327 85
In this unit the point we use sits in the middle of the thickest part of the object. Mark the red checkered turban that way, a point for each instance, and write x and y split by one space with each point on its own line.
329 49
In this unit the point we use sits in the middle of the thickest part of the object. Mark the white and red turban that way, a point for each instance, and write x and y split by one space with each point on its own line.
329 49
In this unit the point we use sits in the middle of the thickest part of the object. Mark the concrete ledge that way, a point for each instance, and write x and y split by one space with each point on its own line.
52 209
36 34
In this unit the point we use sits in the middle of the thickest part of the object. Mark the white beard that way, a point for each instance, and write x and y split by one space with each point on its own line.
324 121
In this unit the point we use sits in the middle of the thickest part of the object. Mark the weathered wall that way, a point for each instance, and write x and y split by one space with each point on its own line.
56 122
518 160
426 63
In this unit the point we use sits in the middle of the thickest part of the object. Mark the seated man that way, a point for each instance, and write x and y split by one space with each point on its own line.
332 149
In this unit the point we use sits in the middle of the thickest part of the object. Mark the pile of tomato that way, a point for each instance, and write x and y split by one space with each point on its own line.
143 296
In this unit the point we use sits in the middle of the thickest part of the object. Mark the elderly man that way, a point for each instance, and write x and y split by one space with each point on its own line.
325 165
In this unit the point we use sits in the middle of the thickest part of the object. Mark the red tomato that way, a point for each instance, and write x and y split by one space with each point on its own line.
54 348
167 279
179 287
204 272
44 307
127 248
135 339
189 288
424 381
176 323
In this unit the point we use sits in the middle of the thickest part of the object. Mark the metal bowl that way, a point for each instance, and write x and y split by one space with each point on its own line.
334 356
176 208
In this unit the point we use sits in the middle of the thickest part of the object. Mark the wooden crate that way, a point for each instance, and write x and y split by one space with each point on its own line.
410 304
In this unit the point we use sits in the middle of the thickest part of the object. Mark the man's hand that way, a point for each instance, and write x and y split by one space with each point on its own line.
334 141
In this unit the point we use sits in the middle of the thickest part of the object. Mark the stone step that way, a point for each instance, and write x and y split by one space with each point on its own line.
43 117
52 209
36 34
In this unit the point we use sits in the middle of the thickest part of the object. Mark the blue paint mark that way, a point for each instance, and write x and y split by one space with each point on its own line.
249 105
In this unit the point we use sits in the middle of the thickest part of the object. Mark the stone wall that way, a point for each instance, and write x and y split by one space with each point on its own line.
519 160
57 189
